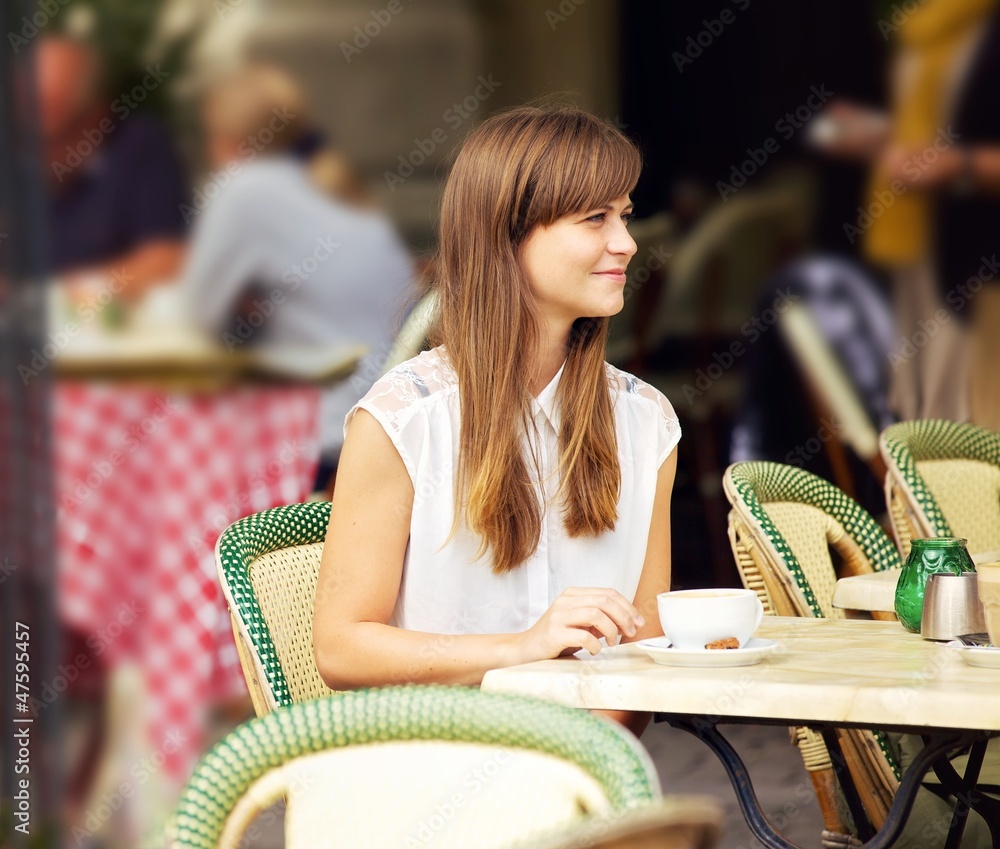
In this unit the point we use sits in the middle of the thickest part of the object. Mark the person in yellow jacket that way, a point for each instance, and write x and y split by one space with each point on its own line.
932 204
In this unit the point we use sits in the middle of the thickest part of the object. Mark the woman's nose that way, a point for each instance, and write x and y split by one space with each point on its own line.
621 242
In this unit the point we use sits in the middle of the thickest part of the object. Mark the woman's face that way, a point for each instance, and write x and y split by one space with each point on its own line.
576 265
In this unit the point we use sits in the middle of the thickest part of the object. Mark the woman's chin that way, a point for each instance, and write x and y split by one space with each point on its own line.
616 306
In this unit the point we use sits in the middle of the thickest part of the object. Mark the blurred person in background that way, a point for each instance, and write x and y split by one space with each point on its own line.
932 213
115 184
288 250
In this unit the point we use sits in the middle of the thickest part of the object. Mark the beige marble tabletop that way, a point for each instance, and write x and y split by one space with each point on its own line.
876 591
825 670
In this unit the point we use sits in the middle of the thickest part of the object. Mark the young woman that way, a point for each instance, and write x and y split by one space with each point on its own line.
504 497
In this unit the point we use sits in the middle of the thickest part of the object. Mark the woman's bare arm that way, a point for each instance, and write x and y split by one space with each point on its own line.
655 579
359 583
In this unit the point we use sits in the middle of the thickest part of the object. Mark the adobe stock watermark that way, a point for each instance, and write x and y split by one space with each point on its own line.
695 45
40 19
363 36
299 780
957 298
897 16
655 260
936 832
122 106
786 127
370 368
264 308
453 116
781 817
7 569
562 12
752 330
914 168
87 310
829 428
467 620
288 452
726 703
224 8
99 641
444 812
129 440
900 697
140 772
249 149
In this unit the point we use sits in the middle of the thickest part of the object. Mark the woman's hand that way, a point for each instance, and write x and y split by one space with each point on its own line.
577 619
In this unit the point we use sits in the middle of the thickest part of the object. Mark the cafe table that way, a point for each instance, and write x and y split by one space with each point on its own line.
160 440
824 674
876 591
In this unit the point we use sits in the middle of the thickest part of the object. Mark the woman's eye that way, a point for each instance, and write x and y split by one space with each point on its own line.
600 217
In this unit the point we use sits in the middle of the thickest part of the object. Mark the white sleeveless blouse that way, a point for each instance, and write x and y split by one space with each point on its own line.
444 590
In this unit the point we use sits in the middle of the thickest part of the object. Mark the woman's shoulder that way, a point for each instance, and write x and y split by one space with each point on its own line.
648 408
425 379
631 390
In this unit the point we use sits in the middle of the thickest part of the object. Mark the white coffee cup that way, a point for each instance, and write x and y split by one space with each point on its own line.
693 618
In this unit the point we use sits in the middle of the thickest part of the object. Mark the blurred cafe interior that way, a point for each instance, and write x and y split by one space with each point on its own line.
219 221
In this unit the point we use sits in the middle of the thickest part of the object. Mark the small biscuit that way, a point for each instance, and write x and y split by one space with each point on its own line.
727 643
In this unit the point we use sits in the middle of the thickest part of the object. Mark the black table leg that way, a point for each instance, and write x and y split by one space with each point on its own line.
706 731
736 770
963 788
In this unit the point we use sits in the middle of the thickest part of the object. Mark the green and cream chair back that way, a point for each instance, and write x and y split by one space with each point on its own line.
269 565
786 528
786 525
417 765
943 480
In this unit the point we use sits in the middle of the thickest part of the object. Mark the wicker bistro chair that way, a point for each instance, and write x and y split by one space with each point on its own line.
416 765
269 565
943 480
783 525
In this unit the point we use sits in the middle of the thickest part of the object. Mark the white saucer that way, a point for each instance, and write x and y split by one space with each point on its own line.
661 651
985 656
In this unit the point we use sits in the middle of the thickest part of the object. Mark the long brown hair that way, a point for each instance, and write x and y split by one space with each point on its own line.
518 170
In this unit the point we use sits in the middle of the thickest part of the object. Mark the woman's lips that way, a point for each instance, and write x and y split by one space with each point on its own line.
618 276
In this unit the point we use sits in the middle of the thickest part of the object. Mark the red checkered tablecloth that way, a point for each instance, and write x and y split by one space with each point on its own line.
145 482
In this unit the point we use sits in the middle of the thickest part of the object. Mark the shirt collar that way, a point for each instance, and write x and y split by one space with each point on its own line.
545 402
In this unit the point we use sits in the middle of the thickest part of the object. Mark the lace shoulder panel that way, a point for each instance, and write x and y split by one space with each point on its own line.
401 390
630 386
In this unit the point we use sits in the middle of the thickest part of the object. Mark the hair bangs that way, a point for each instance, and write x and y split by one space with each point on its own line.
586 165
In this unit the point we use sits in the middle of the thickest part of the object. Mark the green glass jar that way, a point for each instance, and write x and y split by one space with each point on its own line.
927 557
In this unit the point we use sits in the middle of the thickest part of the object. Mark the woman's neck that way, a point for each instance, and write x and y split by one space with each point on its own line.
551 356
